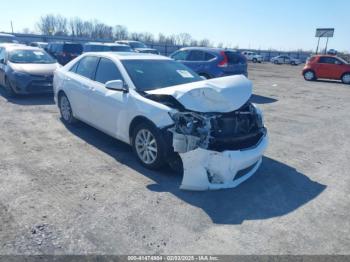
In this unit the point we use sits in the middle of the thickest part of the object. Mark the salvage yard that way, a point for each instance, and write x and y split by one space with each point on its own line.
75 190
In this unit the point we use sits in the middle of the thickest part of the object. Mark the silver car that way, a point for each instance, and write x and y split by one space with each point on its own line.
284 59
26 70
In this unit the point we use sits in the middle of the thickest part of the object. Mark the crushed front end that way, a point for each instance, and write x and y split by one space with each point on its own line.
219 150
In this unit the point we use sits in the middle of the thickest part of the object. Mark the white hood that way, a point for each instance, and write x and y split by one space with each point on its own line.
220 95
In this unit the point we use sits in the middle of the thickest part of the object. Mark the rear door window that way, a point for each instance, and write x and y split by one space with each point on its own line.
107 71
208 57
87 66
196 55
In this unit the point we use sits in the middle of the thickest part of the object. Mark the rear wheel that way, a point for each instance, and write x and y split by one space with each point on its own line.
66 110
309 75
10 92
148 146
346 78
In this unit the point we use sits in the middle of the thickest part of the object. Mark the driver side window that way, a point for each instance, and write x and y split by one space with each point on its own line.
107 71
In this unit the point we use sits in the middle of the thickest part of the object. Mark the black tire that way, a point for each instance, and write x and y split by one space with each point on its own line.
10 92
159 159
309 75
66 110
346 78
275 62
255 60
293 63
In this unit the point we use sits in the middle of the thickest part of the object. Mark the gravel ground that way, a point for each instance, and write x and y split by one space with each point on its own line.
77 191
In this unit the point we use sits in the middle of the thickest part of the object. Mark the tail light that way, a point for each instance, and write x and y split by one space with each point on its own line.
224 62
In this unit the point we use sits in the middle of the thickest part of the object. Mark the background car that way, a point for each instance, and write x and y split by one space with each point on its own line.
64 52
106 47
252 56
212 62
7 38
42 45
138 46
284 59
26 70
328 67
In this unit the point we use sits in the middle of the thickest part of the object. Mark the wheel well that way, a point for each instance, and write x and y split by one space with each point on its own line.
309 70
60 93
344 74
136 121
205 75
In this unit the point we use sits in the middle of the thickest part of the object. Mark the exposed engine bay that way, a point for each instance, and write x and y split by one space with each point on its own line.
237 130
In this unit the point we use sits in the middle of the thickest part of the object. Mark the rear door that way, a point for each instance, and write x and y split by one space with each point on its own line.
196 60
107 105
237 64
79 83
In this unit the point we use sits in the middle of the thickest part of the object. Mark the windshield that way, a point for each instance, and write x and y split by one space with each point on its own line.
137 45
30 57
153 74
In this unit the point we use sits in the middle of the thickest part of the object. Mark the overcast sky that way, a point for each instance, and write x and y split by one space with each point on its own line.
279 24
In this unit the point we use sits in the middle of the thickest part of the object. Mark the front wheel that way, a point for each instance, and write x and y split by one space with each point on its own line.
10 92
275 62
255 60
66 110
346 78
148 146
309 75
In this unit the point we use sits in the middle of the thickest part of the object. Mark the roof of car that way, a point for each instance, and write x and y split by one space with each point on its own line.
128 41
6 35
215 49
130 55
22 47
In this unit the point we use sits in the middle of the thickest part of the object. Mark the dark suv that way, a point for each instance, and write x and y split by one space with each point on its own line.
212 62
65 52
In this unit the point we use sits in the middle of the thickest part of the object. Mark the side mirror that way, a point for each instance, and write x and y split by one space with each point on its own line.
116 85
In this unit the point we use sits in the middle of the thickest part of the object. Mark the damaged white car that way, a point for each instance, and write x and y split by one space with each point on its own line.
166 111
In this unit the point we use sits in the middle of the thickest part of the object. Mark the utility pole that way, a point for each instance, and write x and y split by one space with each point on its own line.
318 44
325 51
12 26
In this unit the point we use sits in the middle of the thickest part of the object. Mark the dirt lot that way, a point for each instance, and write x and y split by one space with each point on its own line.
78 191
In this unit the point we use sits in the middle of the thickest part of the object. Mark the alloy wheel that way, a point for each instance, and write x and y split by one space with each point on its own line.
146 146
66 110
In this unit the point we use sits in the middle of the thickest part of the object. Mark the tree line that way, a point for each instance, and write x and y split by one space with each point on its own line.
76 27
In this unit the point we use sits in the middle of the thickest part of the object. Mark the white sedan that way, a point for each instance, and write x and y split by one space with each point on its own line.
164 110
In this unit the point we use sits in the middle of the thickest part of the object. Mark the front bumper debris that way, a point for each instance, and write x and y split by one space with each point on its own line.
211 170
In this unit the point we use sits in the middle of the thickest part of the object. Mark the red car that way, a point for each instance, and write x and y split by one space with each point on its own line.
328 67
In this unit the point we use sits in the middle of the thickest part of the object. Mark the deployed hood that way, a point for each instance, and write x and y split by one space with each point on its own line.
222 95
35 69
